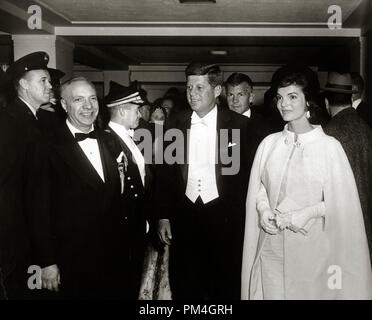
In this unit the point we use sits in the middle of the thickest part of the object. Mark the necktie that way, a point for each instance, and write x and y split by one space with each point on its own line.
82 136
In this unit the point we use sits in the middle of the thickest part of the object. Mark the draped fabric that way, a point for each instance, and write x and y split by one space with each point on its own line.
316 170
155 276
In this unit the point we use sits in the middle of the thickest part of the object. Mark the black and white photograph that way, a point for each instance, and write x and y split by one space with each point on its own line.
185 158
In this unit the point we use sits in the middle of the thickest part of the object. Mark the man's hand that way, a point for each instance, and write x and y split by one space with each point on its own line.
164 231
50 277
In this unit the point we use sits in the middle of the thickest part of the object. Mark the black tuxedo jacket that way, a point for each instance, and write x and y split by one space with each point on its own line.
172 179
227 222
23 186
89 224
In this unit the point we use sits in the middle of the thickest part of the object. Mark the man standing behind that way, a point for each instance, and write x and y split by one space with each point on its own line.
89 226
362 109
123 103
355 137
201 207
23 175
240 96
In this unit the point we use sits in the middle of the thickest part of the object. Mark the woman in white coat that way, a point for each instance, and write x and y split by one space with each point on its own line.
304 234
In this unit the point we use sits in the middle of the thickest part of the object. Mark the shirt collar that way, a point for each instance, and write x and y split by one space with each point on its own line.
75 130
29 106
121 130
209 119
247 113
356 103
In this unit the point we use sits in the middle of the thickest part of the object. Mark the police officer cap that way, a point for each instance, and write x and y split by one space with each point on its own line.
33 61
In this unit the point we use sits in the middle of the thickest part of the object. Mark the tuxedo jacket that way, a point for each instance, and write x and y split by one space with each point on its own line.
90 227
259 127
23 185
172 179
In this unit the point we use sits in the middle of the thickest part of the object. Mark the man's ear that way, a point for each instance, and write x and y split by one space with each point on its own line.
122 112
64 104
23 83
251 98
327 105
217 90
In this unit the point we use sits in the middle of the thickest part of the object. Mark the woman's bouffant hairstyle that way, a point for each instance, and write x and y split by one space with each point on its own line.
301 76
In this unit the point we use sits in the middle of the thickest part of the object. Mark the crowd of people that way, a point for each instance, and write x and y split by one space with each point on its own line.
248 202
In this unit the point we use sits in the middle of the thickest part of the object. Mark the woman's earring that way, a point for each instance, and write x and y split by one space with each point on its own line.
308 114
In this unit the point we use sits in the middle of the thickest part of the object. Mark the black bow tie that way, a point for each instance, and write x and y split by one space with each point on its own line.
83 136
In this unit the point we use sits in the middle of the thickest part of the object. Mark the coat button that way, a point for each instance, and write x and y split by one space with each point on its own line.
131 186
136 195
128 178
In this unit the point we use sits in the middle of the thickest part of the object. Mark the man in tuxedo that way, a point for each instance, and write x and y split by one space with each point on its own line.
89 224
23 179
200 203
362 108
240 97
123 104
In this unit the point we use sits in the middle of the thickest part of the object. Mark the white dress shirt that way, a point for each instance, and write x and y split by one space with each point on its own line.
29 106
247 113
201 179
126 136
90 149
356 103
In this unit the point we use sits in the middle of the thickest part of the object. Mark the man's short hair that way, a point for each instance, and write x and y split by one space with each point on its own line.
358 81
237 78
336 99
69 82
201 69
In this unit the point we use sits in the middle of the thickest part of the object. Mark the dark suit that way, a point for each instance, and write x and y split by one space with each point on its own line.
206 249
258 126
365 112
356 138
135 201
22 195
90 229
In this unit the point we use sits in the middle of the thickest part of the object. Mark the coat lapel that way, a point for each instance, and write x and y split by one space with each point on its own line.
185 128
223 122
74 156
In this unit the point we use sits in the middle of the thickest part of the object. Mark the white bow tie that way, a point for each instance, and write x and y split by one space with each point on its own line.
195 120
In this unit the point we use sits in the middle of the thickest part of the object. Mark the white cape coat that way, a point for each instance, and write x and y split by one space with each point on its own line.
335 249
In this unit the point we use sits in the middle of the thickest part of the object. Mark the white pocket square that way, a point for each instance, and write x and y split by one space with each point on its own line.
231 144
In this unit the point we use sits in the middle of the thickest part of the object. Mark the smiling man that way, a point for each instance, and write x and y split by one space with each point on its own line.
201 209
88 221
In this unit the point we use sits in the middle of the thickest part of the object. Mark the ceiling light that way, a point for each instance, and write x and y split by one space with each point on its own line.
218 52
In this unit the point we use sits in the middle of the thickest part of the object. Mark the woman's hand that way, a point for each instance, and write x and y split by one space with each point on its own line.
268 222
299 218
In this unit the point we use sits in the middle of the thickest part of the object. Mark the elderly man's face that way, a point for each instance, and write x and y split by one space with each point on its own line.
239 97
37 87
81 104
201 95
